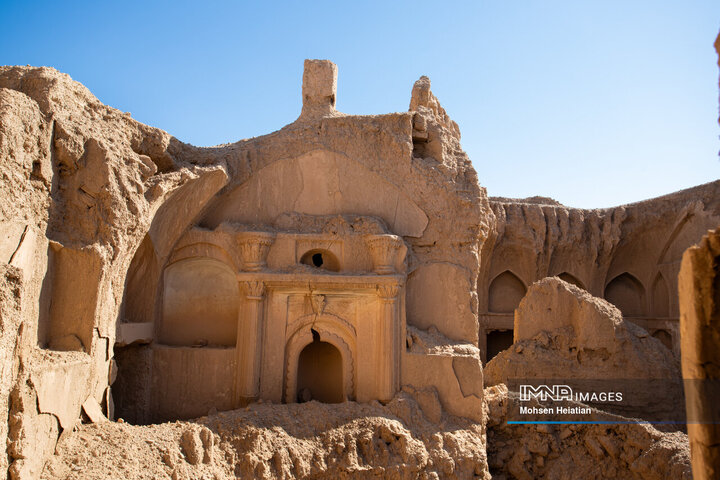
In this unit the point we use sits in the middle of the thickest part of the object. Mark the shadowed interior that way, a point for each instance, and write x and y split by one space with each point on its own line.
320 373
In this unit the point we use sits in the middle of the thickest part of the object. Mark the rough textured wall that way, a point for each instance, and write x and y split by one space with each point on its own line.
81 184
629 255
700 333
94 203
563 332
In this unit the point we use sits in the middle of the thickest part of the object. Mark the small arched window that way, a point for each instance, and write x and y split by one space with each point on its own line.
321 259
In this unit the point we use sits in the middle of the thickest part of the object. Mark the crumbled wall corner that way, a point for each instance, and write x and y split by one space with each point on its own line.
85 182
438 154
700 337
10 301
32 435
450 368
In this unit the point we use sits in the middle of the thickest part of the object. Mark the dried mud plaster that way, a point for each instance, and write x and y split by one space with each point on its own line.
317 302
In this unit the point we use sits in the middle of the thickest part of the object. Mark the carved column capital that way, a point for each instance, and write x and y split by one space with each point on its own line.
254 248
388 292
384 250
254 289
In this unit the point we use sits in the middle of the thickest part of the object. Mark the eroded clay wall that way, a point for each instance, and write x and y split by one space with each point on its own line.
700 333
80 187
629 255
403 170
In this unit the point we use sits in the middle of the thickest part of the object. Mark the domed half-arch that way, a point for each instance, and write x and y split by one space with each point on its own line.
505 292
200 303
626 293
319 182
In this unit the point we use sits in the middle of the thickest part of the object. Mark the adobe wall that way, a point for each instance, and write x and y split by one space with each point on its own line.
629 255
700 332
81 185
99 213
97 207
316 185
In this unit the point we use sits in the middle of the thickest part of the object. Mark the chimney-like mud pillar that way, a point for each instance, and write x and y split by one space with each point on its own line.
319 88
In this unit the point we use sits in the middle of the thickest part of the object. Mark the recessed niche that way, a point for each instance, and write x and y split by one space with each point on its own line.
626 293
321 259
505 293
320 373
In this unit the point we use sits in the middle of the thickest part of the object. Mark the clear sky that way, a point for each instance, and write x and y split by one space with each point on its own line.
594 103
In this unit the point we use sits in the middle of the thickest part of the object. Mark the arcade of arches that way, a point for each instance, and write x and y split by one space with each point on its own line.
634 264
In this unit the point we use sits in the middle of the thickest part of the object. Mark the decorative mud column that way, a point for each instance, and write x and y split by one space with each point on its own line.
254 248
248 345
384 250
388 329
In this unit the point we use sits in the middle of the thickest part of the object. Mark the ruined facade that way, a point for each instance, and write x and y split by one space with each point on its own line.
351 264
160 281
629 255
311 256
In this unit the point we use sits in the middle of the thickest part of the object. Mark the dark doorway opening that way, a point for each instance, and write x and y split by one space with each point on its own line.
320 375
497 341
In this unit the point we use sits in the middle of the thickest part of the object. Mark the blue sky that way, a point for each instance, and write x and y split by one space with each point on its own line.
594 103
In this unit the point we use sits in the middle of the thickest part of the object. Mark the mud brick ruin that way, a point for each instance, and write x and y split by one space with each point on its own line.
337 299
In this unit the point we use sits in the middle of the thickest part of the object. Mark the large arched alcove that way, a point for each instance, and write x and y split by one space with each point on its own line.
505 292
320 373
626 293
172 218
319 182
200 303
